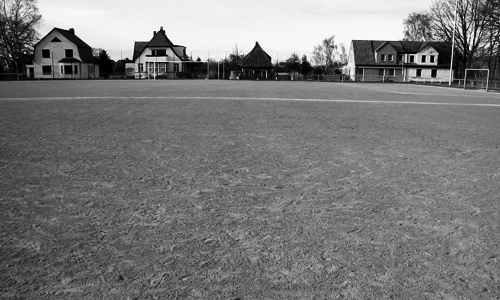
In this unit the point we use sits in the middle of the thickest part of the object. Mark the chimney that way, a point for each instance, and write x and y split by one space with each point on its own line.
72 31
154 33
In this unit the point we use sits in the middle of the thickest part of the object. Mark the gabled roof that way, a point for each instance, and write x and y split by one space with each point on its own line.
257 58
159 39
84 50
364 50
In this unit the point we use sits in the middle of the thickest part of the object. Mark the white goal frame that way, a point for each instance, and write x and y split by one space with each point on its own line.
487 77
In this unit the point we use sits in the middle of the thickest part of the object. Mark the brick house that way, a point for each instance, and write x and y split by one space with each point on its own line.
62 54
399 61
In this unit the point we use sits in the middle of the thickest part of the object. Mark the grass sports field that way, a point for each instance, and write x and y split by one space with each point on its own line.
248 190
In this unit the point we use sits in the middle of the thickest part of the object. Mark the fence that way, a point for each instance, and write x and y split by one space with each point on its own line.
14 77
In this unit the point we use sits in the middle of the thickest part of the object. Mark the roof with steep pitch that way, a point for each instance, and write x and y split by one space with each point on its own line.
159 39
364 49
84 50
257 58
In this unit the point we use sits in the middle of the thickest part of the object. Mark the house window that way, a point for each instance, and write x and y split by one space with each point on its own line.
45 53
412 58
390 57
419 72
434 73
76 69
68 69
47 70
392 72
381 72
68 53
150 67
91 69
140 67
432 58
424 57
401 57
163 67
176 67
383 57
161 52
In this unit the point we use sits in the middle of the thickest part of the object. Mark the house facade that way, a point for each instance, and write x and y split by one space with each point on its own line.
157 58
62 55
399 61
257 64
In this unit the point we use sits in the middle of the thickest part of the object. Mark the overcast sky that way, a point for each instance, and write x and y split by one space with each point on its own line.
214 27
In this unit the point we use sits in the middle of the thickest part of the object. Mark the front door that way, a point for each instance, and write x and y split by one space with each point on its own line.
32 72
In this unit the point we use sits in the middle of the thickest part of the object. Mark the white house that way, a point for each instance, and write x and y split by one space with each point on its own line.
62 54
157 58
399 61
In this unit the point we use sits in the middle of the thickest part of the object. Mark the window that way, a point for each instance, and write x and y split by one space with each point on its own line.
412 58
150 67
163 67
45 53
68 69
140 67
419 72
392 72
76 69
383 57
381 72
434 73
390 57
91 69
69 53
47 70
176 67
401 57
432 58
161 52
424 58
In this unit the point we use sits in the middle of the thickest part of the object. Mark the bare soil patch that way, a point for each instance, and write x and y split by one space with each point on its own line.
231 199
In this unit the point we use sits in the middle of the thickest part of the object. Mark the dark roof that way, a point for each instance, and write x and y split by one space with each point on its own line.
159 39
257 58
138 48
84 50
364 49
70 35
69 60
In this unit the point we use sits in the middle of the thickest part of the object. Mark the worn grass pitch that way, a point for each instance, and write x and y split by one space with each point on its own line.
241 190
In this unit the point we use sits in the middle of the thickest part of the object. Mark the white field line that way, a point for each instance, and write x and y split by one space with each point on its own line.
255 98
469 93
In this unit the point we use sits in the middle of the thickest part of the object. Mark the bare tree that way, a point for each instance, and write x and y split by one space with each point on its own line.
418 27
329 48
318 56
19 20
471 31
344 57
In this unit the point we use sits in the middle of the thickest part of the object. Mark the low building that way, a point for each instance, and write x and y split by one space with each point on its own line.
158 58
257 64
399 61
61 54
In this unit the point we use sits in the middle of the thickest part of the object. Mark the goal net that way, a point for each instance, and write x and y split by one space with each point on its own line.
476 79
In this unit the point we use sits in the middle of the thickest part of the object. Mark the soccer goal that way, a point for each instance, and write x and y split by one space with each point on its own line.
476 79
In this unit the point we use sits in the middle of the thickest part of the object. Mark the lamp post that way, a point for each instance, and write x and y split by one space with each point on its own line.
453 42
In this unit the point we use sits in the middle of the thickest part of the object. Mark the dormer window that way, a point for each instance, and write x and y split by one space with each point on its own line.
424 57
432 58
412 58
383 57
390 57
401 57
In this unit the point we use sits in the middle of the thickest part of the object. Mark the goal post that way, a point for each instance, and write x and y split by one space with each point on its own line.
477 78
